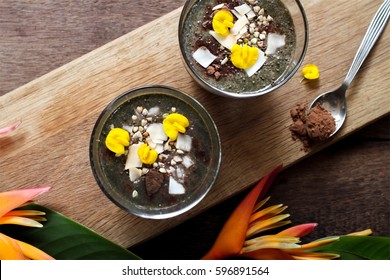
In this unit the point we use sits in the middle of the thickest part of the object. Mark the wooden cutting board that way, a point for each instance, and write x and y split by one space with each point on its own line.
59 109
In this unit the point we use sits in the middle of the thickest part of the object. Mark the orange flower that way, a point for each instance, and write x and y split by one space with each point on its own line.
11 248
232 236
240 234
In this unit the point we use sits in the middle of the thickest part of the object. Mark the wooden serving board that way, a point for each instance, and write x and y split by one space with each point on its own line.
59 109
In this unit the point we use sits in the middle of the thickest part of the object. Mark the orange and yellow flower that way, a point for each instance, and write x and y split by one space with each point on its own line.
240 234
10 248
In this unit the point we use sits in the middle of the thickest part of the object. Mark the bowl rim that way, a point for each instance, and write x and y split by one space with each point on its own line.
196 76
94 165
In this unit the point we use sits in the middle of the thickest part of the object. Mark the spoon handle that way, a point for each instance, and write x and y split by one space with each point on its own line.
375 28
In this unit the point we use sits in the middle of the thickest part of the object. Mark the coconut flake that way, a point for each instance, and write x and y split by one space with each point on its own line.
238 26
251 15
203 56
129 128
219 6
153 111
243 9
184 142
236 14
159 148
156 133
258 64
228 41
175 187
151 144
134 173
274 42
167 146
136 136
132 157
180 174
177 158
243 31
226 59
187 161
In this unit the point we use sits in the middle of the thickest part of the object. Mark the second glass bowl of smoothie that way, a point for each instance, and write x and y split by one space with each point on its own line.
242 48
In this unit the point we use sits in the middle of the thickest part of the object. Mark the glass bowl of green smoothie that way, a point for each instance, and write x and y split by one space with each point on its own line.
242 48
155 151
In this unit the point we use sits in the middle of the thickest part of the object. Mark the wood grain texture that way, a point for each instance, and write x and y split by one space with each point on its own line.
59 109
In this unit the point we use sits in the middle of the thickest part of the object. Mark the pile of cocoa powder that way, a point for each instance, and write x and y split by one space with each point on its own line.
311 127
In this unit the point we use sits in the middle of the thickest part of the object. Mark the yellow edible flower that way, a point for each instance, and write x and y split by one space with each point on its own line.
244 57
222 21
146 154
311 72
117 139
175 123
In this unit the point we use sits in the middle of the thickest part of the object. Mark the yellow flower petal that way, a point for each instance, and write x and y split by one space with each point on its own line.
175 123
146 154
25 213
14 220
222 21
365 232
270 241
261 204
117 139
311 72
244 57
273 222
269 211
320 242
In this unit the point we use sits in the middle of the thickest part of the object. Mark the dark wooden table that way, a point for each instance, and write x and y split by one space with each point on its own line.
344 188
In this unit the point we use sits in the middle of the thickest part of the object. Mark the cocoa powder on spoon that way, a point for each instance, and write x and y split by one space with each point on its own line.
313 127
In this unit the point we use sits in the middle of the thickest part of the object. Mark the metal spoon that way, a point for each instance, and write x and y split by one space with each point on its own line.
334 101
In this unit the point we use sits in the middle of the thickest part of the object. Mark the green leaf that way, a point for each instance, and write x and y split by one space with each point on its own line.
359 248
65 239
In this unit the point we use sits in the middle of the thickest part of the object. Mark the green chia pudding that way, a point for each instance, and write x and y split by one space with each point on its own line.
267 26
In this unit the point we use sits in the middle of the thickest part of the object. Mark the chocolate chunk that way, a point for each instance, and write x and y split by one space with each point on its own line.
154 180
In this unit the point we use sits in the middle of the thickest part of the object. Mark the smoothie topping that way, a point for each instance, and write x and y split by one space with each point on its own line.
244 34
146 154
117 139
204 57
175 123
222 21
156 146
244 57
